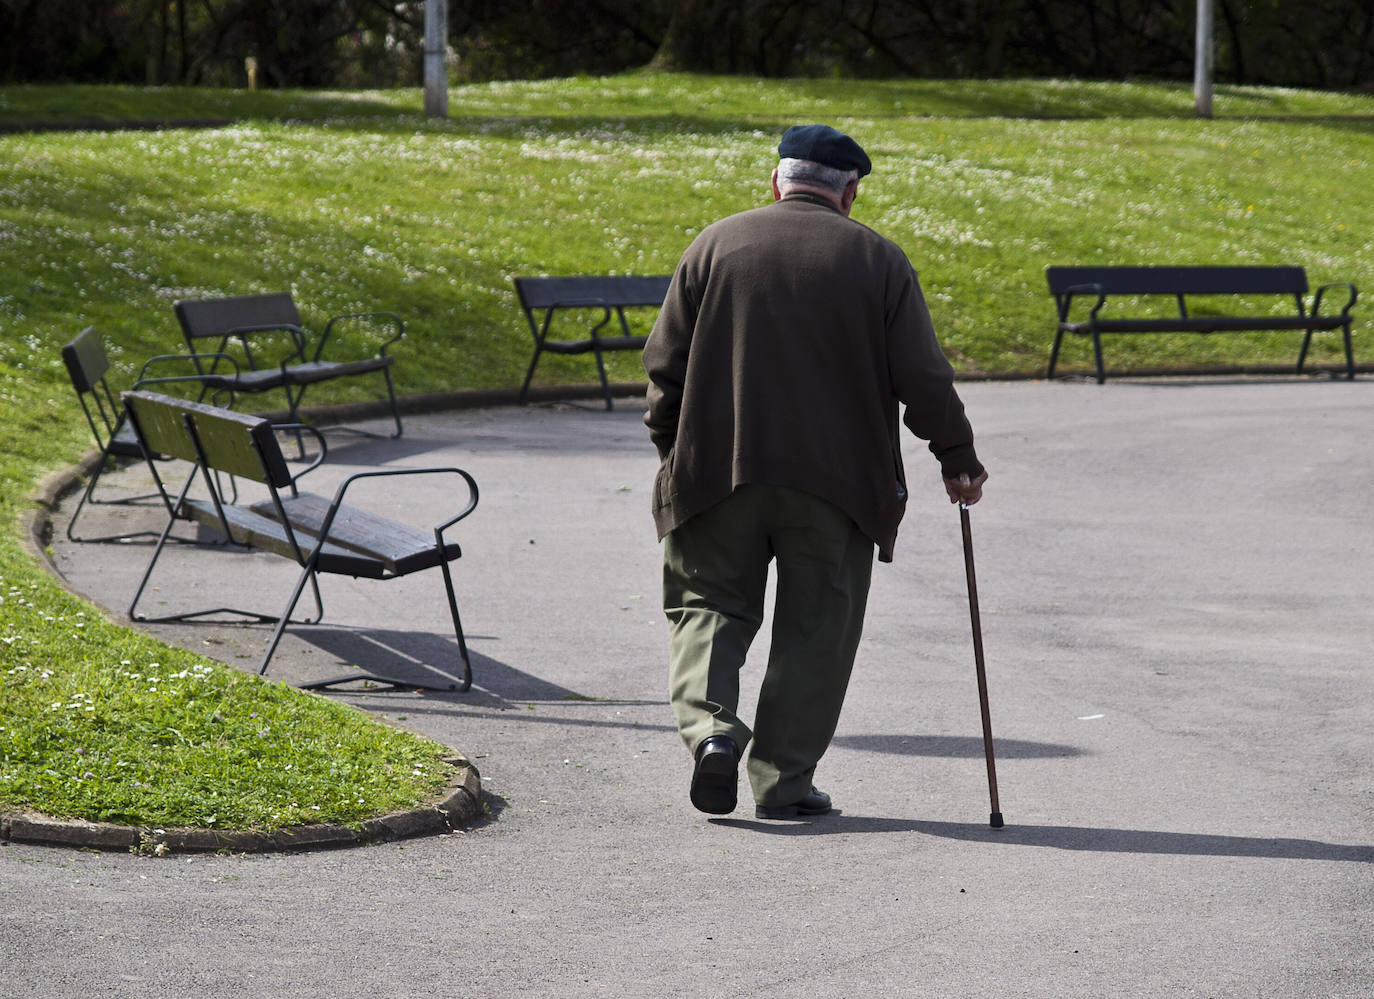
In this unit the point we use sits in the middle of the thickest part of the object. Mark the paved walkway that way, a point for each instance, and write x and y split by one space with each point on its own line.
1175 582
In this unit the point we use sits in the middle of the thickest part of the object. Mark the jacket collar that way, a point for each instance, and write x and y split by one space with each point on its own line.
809 198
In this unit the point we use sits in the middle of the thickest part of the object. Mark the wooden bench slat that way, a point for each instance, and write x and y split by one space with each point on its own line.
1182 280
398 548
250 528
311 372
613 290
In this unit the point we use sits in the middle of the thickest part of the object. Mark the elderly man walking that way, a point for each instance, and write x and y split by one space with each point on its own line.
790 336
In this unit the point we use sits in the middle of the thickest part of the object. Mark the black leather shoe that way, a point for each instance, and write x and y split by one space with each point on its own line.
714 778
816 802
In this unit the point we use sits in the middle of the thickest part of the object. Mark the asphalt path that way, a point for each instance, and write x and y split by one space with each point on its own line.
1175 581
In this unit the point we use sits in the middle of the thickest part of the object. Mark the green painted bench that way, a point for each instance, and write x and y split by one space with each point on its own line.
321 535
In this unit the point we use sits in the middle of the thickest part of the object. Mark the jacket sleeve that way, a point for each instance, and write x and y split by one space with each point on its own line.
665 362
923 380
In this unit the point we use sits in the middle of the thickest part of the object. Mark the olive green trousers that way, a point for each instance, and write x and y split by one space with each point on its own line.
715 571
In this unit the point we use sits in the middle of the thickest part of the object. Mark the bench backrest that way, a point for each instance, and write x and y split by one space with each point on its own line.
1181 280
229 442
620 291
85 359
215 317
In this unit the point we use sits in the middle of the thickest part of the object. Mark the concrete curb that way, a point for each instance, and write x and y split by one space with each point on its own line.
460 806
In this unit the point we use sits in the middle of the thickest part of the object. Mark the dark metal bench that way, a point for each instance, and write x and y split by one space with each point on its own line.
320 535
87 366
247 322
1098 284
607 295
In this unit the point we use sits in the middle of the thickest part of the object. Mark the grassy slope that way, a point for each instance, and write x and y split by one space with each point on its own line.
355 200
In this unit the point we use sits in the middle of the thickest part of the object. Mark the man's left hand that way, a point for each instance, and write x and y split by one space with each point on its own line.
965 490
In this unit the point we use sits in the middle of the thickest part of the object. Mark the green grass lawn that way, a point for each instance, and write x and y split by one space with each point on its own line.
356 201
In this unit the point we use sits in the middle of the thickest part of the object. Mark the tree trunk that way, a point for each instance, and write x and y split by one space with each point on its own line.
702 36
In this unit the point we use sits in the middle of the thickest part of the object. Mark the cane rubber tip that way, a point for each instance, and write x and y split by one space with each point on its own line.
995 820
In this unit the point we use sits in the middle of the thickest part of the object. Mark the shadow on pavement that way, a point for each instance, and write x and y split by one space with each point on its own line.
953 746
1098 840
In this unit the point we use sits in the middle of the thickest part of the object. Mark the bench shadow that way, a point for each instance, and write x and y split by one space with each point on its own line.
953 746
422 657
1087 839
348 446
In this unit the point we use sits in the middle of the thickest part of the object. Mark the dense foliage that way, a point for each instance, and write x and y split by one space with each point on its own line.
1319 43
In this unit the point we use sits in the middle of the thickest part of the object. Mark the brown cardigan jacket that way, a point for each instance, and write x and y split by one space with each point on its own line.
789 335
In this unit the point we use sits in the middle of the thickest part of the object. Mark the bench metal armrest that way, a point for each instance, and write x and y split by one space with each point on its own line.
471 505
296 333
347 483
1065 298
391 317
315 432
1350 301
192 360
576 303
203 378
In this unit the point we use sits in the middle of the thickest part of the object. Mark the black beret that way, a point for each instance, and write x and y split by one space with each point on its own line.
822 144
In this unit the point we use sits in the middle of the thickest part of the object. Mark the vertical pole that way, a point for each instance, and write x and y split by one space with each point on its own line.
436 69
1202 65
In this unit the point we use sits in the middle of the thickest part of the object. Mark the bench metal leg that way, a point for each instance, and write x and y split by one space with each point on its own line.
529 377
87 496
1054 354
281 622
1097 356
244 615
391 395
605 384
1349 351
1302 351
294 406
307 575
457 628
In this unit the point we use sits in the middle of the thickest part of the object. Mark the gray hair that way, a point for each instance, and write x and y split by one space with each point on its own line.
808 173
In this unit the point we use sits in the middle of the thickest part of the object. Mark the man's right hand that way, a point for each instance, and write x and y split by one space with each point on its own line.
965 490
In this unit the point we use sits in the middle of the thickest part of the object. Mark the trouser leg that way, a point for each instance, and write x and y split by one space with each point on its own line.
715 570
824 566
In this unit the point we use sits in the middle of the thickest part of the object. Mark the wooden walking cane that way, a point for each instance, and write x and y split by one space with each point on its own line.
995 819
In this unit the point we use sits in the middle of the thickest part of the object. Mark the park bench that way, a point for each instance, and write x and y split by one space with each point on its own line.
248 324
1246 286
87 366
551 295
320 535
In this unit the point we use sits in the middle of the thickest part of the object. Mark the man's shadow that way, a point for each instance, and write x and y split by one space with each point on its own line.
1085 838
